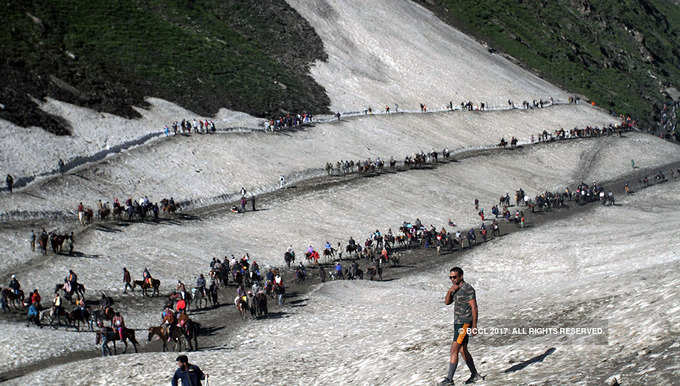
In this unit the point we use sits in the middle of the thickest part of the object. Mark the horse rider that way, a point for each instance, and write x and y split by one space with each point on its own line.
118 324
181 306
328 247
127 278
14 285
181 289
146 276
200 284
72 279
80 304
256 287
168 317
104 303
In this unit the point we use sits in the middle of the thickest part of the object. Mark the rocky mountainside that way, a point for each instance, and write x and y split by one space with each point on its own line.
250 56
620 54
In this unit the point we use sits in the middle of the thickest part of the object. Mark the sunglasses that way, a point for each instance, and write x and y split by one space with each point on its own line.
452 277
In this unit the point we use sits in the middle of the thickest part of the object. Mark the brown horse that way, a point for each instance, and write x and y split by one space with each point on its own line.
57 241
103 213
113 336
155 284
118 211
12 299
78 316
241 304
79 290
42 242
166 334
88 215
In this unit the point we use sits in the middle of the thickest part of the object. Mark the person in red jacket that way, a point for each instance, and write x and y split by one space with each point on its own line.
35 298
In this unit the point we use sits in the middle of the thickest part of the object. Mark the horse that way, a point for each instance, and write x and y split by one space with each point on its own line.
80 315
329 253
166 334
199 297
169 207
102 315
113 336
117 211
42 242
103 213
191 331
241 304
300 275
289 258
12 299
88 215
56 242
212 295
48 317
78 290
155 284
352 248
260 302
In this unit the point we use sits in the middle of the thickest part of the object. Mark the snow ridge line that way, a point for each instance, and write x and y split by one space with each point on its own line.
233 197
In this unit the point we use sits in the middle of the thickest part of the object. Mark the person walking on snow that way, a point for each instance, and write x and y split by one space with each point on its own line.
465 324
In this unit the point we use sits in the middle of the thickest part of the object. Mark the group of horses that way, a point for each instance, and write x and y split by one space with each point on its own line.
131 210
59 243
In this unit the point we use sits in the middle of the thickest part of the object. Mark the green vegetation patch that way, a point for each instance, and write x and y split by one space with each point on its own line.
621 54
246 55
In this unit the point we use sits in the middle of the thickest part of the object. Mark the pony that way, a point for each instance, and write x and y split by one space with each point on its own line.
241 304
112 336
14 300
155 284
166 334
199 298
80 315
78 290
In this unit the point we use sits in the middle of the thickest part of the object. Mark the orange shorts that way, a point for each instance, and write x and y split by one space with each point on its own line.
461 336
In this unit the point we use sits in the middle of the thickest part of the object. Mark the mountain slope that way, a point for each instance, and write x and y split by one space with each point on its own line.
250 56
621 54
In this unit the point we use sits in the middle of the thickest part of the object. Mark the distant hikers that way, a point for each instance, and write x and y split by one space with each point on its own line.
10 182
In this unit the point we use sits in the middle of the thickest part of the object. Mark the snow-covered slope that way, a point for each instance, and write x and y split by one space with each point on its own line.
399 332
32 151
335 214
384 52
207 166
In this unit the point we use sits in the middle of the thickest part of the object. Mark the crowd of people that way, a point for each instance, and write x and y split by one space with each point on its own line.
199 126
369 165
288 121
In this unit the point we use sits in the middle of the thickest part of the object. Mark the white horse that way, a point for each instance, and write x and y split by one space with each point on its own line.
197 297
